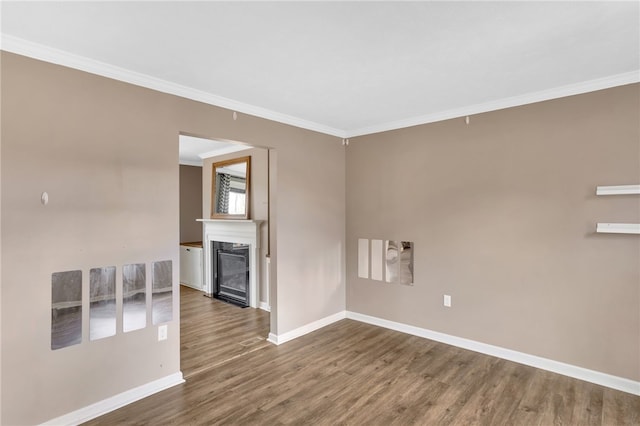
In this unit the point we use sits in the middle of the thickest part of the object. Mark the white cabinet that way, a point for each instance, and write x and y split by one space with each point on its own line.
191 266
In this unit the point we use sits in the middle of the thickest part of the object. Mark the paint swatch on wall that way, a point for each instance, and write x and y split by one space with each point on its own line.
363 258
391 261
376 260
66 309
102 302
405 262
162 292
399 262
394 259
134 297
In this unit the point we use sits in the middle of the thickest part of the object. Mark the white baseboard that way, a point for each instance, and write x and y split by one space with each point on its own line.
120 400
603 379
272 338
265 306
308 328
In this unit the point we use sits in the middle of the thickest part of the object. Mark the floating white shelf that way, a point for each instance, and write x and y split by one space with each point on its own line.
618 228
618 190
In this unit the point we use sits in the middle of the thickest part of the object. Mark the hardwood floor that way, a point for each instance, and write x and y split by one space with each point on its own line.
213 332
356 374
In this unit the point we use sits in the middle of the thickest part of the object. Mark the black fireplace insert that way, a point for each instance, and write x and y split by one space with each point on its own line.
230 272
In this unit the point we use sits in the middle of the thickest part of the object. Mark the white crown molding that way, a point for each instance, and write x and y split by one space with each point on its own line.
278 339
120 400
41 52
191 163
48 54
529 98
597 377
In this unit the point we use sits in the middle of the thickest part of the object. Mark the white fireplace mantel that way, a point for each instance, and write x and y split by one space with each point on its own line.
232 231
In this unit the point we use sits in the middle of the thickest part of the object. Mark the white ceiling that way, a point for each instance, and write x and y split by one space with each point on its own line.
193 150
342 68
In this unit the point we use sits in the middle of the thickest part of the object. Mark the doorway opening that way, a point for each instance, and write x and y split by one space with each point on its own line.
213 330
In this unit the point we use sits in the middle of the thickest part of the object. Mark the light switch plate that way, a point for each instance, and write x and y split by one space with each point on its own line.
447 300
162 332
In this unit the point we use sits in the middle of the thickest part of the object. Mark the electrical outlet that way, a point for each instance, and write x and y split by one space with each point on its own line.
162 332
447 300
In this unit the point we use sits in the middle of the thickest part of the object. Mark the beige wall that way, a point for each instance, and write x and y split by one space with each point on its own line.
502 212
107 153
258 202
190 203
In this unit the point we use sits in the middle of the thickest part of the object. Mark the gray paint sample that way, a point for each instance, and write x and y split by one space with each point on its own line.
134 302
399 262
66 309
162 292
102 298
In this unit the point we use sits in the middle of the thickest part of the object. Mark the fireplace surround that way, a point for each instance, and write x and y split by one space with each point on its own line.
240 232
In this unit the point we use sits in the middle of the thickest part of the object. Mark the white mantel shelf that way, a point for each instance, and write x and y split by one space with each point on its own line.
230 220
244 231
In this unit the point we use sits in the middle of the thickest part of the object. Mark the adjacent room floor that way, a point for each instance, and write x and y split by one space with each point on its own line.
213 333
357 374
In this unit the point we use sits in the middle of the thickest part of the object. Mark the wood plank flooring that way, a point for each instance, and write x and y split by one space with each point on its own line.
213 332
351 373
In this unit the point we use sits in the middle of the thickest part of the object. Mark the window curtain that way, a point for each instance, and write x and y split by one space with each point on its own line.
222 198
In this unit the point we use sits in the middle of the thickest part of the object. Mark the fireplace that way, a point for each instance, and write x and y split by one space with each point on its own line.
237 233
231 272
